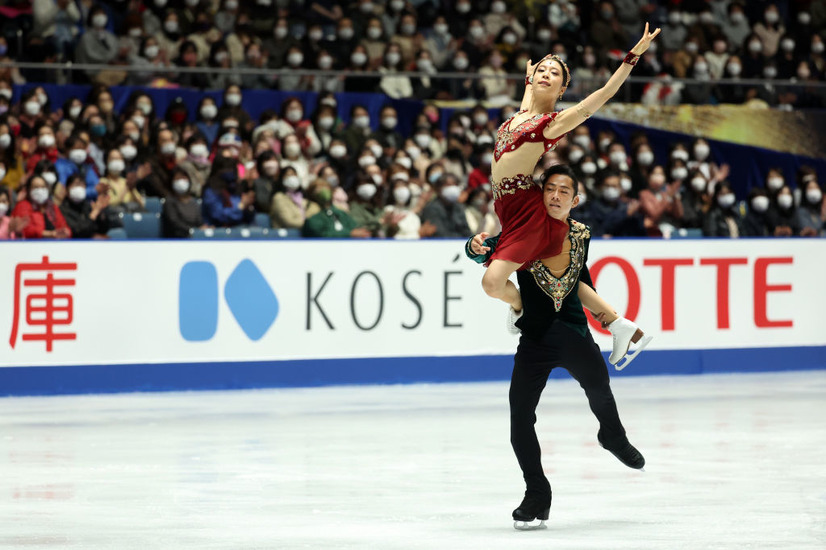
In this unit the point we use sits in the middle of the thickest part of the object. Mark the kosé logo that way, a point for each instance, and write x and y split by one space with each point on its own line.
250 299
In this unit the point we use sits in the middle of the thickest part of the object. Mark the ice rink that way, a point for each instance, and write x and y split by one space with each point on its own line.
733 461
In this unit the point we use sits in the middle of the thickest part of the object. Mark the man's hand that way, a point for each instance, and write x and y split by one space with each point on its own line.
360 233
477 244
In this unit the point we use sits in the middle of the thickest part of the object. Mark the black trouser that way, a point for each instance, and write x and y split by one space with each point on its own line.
561 346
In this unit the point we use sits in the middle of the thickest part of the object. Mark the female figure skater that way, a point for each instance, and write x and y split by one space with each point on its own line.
528 233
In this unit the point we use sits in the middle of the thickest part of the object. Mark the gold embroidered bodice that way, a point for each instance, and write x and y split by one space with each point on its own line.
558 288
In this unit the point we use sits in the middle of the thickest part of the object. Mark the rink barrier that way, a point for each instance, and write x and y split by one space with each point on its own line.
79 379
180 315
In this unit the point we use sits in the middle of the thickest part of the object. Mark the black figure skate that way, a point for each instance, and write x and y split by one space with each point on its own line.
533 508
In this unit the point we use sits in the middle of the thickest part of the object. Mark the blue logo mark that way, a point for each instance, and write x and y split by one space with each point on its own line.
250 299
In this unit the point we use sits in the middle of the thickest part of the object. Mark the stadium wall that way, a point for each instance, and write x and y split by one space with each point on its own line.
83 317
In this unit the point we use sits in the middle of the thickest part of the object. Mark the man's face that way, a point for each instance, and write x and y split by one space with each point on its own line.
559 196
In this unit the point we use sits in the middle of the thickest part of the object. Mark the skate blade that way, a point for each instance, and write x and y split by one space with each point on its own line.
631 355
528 526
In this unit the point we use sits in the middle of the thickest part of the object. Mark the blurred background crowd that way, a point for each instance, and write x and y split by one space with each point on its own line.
85 168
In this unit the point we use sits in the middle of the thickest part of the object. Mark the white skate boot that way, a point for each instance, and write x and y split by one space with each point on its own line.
511 321
625 333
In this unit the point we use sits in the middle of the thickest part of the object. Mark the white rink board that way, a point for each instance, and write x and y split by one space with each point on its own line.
401 299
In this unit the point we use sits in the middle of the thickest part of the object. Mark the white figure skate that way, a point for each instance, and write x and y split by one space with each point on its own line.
511 321
626 333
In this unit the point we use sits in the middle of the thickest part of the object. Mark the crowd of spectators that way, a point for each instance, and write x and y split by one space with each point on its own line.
71 170
376 44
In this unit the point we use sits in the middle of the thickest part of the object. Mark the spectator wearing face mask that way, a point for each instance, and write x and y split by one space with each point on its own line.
196 162
358 130
755 222
810 213
268 175
181 212
292 156
206 119
661 204
696 199
44 147
290 208
769 30
120 185
479 212
394 84
774 181
445 211
77 161
367 199
98 46
86 219
723 217
42 218
496 88
613 214
227 200
232 108
457 88
698 92
400 221
754 60
782 215
737 27
387 134
606 31
292 112
149 57
407 37
331 222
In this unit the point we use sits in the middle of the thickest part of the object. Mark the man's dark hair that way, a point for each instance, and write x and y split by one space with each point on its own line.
562 169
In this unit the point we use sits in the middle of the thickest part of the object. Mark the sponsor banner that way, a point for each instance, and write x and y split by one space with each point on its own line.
120 303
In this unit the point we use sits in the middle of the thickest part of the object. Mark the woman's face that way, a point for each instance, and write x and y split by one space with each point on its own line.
548 79
38 183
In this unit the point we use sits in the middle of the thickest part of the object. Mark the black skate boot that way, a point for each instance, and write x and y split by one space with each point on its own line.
627 454
532 508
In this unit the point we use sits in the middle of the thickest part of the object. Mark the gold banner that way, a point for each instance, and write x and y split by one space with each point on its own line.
796 132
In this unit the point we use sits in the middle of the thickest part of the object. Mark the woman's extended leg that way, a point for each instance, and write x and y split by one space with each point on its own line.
623 331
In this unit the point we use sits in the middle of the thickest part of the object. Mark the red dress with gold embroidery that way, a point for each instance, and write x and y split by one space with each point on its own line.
528 232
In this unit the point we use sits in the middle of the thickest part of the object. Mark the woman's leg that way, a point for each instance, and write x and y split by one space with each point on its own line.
496 284
624 332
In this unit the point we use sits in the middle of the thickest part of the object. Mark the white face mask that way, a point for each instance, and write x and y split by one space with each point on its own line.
401 195
760 203
168 148
406 162
180 186
582 140
646 158
5 141
78 156
233 99
487 158
460 63
358 58
376 150
698 184
295 59
338 151
199 150
209 111
785 201
366 191
39 195
626 184
280 32
362 121
679 173
617 157
46 141
151 51
374 33
291 183
775 183
735 69
680 154
367 160
99 20
170 26
725 201
657 180
332 180
575 155
2 173
589 168
145 108
393 58
414 152
377 179
451 193
326 122
389 122
701 151
817 47
610 194
346 33
4 207
814 196
32 107
292 149
425 64
441 28
50 178
129 152
77 193
115 166
422 140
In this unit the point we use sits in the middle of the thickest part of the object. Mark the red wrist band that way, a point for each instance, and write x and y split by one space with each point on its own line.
631 59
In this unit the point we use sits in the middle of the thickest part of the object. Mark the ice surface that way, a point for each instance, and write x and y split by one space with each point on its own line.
733 461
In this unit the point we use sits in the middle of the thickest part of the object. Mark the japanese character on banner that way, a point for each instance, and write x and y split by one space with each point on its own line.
43 304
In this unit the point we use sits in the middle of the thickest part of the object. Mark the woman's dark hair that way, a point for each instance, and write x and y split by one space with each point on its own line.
561 169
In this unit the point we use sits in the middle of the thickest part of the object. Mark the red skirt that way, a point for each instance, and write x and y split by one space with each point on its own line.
528 232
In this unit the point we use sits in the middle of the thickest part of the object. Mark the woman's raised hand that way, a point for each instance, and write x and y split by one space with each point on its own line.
645 41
